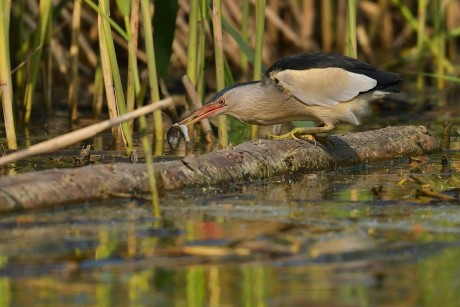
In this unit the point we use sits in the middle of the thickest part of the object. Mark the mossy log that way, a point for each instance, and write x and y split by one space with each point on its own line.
252 160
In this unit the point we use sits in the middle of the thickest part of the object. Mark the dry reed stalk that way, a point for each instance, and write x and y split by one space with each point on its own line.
386 30
108 81
231 49
60 57
244 63
296 11
74 59
196 103
341 24
130 89
308 19
179 53
326 25
98 94
120 41
172 109
271 29
6 86
364 42
288 33
87 50
232 12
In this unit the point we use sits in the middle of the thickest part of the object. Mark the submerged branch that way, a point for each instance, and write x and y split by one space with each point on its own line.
252 160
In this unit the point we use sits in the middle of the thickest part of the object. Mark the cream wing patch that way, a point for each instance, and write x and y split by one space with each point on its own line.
322 86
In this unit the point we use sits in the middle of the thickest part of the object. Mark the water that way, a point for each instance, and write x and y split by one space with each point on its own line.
354 237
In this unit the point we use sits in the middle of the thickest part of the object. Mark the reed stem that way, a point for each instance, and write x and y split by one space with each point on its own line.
6 88
44 14
439 42
192 49
132 27
153 80
220 71
260 25
115 73
421 43
74 52
244 34
350 43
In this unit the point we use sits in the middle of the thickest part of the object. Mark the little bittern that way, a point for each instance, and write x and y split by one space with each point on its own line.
326 88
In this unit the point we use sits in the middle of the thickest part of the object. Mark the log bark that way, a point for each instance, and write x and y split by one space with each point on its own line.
252 160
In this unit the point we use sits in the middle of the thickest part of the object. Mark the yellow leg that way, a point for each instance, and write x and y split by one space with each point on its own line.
302 132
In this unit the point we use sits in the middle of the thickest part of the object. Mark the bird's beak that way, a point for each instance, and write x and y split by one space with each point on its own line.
201 113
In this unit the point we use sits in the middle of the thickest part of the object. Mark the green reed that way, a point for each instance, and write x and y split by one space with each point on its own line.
39 38
6 87
257 74
220 70
153 80
351 41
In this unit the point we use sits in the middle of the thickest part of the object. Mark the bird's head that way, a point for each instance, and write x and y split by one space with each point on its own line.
227 101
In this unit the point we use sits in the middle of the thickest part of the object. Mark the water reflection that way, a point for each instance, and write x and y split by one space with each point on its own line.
318 238
423 283
116 253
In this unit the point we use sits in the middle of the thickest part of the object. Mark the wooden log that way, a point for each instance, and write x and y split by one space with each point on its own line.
252 160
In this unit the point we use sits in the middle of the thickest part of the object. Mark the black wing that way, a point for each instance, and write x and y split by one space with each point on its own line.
386 81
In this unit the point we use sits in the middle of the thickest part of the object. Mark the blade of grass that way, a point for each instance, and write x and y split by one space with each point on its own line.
107 18
98 91
412 21
112 58
153 81
44 14
439 43
135 85
6 88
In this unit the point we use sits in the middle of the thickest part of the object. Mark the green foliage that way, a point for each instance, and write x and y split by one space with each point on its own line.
123 7
164 25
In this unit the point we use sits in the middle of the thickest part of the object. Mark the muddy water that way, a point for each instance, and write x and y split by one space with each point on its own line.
353 237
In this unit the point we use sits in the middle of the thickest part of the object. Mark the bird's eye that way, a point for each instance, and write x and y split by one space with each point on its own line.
277 81
221 102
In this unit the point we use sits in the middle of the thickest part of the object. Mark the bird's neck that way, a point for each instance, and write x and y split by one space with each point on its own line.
259 102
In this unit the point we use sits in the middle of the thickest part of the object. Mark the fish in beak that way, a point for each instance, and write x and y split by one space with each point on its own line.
180 128
206 111
173 136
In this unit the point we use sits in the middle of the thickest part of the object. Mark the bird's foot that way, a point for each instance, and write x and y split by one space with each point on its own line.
293 135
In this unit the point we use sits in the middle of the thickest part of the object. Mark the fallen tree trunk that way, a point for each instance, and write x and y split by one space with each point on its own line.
248 161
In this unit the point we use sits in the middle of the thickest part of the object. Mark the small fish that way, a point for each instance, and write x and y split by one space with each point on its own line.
174 133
